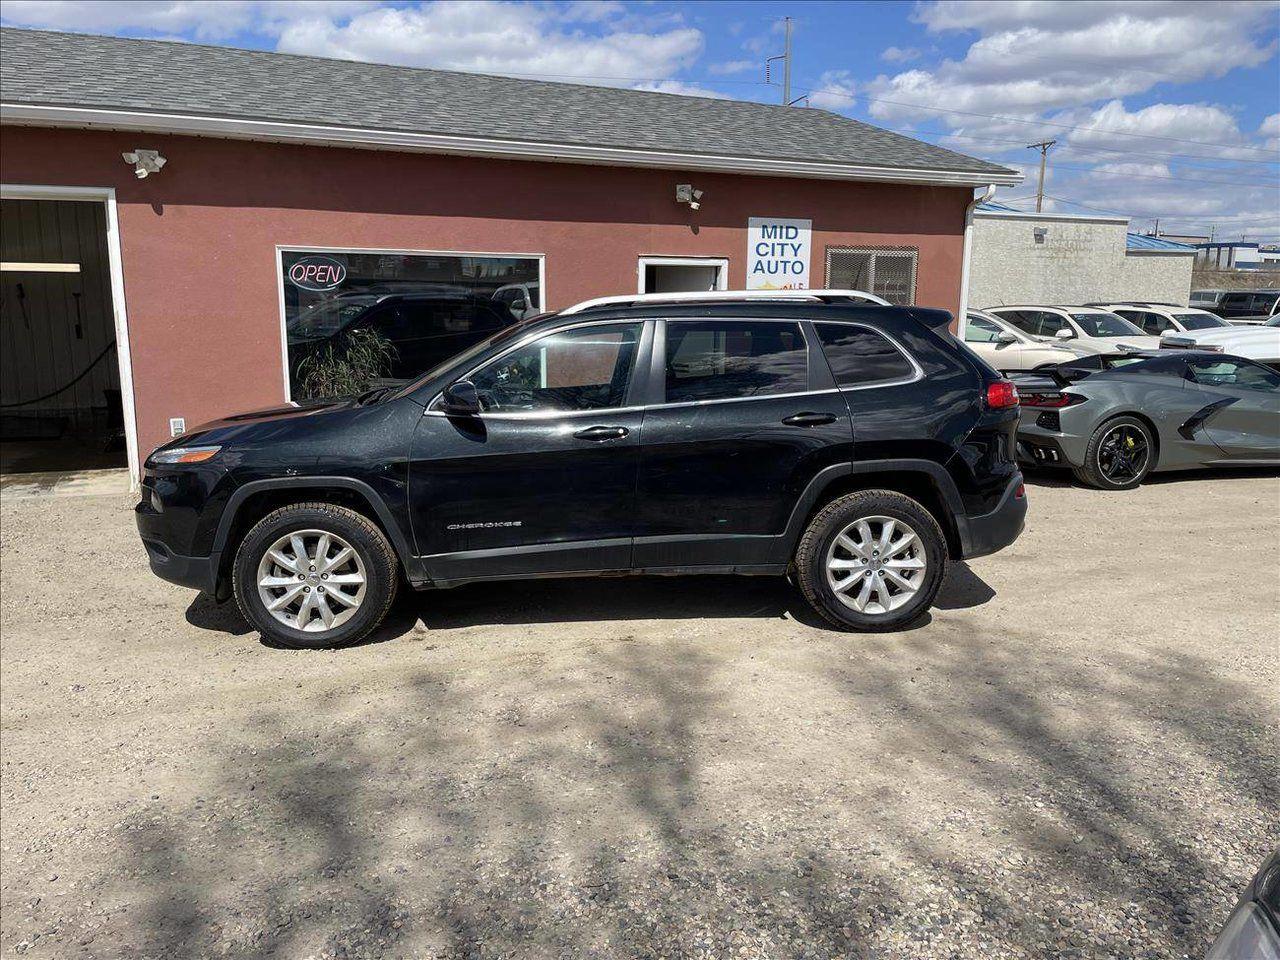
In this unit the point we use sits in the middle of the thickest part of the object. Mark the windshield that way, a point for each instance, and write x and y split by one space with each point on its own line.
1199 321
328 317
1105 325
506 333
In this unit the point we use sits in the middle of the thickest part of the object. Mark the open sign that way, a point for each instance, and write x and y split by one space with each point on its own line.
318 273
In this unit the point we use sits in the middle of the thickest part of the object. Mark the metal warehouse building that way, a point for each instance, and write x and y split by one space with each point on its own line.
181 223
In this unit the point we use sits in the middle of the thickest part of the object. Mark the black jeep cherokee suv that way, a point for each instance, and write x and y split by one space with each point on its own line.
858 448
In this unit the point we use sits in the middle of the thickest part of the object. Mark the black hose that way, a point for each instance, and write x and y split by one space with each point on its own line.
66 386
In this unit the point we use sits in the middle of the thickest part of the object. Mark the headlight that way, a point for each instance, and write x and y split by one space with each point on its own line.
184 455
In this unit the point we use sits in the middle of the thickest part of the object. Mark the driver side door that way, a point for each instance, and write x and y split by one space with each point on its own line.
543 479
1244 422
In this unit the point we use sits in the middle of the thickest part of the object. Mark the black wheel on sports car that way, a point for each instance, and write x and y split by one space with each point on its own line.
1119 456
315 575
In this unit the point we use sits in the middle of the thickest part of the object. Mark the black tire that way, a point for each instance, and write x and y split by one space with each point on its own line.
376 556
835 518
1100 469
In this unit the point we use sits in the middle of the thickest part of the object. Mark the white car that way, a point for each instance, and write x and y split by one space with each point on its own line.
1087 329
522 299
1158 319
1007 348
1261 343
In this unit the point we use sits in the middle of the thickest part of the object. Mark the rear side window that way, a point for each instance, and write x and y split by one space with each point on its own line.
860 356
725 359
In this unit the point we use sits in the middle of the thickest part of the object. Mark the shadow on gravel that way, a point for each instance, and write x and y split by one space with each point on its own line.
629 810
570 600
1049 477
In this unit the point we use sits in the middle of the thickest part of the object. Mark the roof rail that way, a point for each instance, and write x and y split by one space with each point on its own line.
722 296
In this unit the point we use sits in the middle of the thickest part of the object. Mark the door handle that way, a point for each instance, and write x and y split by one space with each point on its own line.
600 434
809 419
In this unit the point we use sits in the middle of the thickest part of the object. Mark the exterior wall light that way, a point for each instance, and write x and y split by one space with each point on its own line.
145 162
685 193
1039 233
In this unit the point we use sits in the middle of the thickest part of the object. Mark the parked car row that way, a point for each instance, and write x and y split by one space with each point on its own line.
1239 306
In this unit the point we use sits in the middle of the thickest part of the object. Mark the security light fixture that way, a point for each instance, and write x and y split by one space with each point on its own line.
145 162
1039 233
685 193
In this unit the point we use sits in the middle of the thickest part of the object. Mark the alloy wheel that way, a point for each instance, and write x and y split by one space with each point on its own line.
876 565
311 580
1123 454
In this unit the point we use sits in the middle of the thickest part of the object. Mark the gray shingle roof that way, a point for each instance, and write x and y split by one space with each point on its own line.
148 76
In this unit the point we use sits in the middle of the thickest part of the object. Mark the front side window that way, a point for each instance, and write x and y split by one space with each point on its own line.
888 273
861 357
1048 324
586 368
727 359
1152 323
353 318
1105 325
1234 373
978 330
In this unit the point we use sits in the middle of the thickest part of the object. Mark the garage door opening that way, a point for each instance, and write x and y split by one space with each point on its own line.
682 274
61 404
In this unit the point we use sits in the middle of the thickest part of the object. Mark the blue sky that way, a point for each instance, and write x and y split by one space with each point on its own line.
1161 108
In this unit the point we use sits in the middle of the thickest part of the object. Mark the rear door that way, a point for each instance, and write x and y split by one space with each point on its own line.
1242 406
747 415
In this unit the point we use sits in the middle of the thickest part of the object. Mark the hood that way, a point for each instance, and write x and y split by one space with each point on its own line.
1226 335
233 425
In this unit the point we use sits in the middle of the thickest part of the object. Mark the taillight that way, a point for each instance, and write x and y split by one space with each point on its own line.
1054 401
1001 394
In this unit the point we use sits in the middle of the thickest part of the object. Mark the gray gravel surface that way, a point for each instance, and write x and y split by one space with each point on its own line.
1076 756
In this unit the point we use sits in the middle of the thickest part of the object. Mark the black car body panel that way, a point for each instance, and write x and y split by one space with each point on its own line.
644 485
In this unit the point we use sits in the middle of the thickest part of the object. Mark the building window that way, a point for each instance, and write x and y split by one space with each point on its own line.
356 319
887 272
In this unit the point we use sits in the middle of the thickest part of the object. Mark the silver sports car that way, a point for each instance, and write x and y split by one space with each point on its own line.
1114 418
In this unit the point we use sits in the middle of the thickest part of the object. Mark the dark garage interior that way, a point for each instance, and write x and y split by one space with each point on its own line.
60 401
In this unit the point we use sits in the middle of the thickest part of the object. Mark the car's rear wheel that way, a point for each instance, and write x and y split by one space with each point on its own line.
315 575
872 560
1119 455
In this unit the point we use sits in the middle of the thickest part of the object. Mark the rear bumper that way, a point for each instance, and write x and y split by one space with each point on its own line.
988 532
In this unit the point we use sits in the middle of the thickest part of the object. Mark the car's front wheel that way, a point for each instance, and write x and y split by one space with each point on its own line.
315 575
872 560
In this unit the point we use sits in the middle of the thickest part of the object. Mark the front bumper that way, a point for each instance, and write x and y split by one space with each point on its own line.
198 573
988 532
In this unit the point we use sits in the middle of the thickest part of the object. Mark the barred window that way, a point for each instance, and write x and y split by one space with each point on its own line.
889 273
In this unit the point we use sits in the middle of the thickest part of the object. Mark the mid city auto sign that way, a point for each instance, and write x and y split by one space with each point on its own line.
778 253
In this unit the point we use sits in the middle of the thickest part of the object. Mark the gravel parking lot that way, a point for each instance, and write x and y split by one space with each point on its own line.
1076 756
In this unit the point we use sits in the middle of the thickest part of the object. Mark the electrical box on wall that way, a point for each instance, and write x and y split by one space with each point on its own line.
177 426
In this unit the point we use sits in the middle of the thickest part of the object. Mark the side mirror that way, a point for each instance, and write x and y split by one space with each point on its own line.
1065 334
460 399
519 305
1006 337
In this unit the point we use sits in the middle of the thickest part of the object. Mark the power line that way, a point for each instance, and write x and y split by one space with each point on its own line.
1085 149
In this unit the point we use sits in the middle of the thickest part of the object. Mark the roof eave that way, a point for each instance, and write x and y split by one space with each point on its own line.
48 115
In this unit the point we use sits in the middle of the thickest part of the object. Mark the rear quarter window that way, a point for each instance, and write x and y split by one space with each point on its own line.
859 356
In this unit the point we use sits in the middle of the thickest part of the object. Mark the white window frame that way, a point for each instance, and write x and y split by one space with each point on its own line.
107 197
913 253
722 276
283 248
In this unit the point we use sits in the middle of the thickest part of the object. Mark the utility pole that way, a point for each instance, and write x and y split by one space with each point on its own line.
785 57
1157 228
1043 146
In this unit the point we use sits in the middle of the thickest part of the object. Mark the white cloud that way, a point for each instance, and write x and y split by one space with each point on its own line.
494 37
202 19
682 88
1269 129
834 91
1034 56
899 54
728 67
